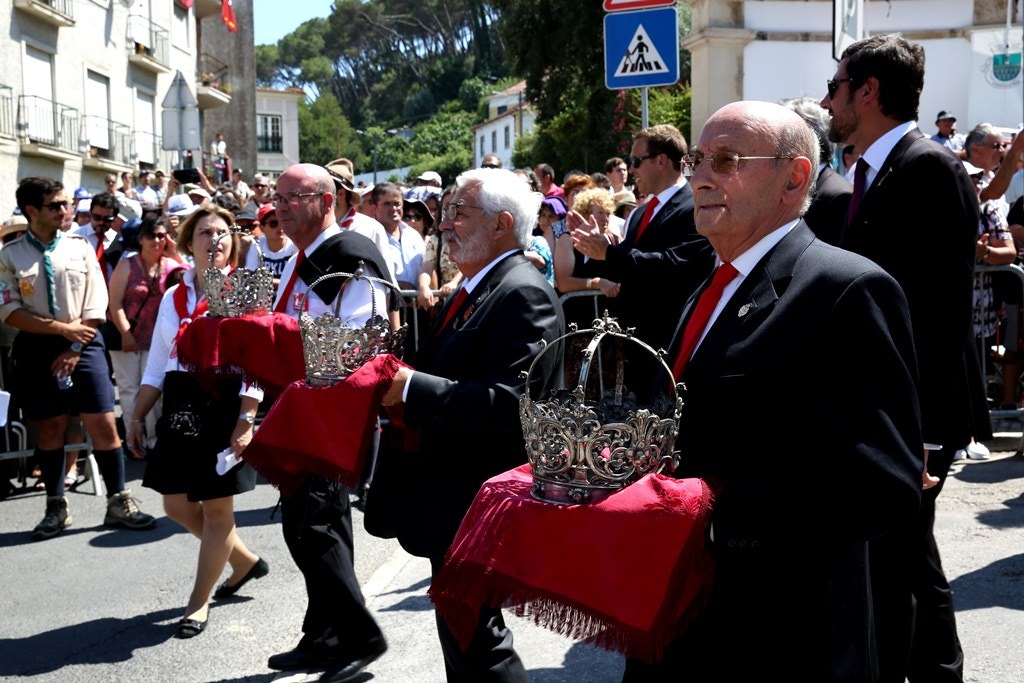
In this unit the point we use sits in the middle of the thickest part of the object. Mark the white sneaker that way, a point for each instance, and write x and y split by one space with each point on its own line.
959 455
977 451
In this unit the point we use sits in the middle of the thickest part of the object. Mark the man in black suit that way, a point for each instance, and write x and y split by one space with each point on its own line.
339 633
832 191
790 537
462 399
909 180
661 258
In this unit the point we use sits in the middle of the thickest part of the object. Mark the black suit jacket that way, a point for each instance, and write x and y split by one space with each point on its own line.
659 271
919 221
464 399
342 253
801 412
827 212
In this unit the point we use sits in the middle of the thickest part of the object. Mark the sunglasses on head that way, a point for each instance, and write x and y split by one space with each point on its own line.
102 219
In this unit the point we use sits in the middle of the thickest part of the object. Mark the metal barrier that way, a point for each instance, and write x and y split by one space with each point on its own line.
1016 415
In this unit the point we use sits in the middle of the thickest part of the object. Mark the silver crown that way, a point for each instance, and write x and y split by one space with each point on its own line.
239 292
334 350
587 442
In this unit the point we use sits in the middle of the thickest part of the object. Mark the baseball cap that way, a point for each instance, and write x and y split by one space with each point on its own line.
264 210
159 171
430 177
82 193
944 115
83 206
971 169
180 205
246 214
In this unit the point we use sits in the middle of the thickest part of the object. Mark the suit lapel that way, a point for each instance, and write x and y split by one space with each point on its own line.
473 301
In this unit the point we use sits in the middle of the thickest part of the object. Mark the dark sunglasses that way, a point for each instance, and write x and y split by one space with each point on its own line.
57 206
489 166
634 162
412 217
259 185
157 236
102 219
833 84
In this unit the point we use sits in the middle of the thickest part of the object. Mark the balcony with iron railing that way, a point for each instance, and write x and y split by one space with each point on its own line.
54 12
212 88
147 147
8 126
269 144
47 128
148 44
108 144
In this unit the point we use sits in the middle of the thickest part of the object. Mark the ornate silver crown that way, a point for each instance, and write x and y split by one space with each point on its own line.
333 350
239 292
589 441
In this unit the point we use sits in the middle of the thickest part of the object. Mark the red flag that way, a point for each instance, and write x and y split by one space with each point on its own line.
227 13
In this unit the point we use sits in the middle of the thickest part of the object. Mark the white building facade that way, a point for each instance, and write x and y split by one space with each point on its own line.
509 118
277 130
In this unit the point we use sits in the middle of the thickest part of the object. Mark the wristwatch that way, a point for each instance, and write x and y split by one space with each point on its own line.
246 417
76 347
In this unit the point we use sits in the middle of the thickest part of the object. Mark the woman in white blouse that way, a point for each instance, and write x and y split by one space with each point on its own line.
197 425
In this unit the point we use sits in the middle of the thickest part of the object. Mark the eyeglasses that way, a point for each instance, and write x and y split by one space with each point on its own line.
634 162
57 206
997 145
722 162
489 166
102 219
833 84
157 236
412 217
451 212
259 185
294 197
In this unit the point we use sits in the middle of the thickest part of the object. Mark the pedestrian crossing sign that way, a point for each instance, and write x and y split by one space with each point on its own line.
641 48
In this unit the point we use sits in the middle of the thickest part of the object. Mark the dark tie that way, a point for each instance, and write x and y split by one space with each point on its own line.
282 303
100 250
648 212
701 315
860 180
460 296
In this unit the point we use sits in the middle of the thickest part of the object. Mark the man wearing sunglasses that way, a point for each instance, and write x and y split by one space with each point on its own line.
52 291
101 234
661 259
904 179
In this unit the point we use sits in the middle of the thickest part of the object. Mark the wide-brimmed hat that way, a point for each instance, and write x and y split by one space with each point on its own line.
428 218
16 223
128 209
343 173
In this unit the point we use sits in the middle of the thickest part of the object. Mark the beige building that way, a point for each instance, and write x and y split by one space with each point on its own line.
84 82
776 49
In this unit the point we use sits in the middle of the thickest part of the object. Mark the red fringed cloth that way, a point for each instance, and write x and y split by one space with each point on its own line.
627 573
321 431
265 349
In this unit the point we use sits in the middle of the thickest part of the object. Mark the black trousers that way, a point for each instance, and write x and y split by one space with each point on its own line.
317 525
935 655
490 657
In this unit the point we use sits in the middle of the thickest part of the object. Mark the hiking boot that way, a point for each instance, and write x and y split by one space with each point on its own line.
122 509
56 520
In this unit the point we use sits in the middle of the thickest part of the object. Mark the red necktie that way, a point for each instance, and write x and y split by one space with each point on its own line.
460 296
648 212
282 302
701 315
860 179
100 250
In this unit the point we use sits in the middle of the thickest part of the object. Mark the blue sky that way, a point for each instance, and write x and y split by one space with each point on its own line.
274 19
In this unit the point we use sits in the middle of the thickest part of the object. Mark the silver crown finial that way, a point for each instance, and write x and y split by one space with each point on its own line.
240 291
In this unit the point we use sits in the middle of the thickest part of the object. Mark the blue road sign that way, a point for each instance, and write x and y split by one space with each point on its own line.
641 48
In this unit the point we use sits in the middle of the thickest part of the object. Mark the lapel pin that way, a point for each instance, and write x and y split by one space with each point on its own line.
744 309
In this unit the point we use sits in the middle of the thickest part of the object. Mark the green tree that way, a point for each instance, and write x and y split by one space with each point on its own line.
325 133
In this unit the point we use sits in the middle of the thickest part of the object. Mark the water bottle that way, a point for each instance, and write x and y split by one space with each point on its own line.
64 381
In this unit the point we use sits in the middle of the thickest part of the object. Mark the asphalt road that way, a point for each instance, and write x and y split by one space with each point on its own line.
96 604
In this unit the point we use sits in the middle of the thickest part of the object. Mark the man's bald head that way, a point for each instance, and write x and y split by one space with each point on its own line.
305 202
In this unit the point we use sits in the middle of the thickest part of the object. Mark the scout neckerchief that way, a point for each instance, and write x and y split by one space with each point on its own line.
46 250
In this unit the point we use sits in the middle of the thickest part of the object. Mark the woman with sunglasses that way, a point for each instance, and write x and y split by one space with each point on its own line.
136 288
197 425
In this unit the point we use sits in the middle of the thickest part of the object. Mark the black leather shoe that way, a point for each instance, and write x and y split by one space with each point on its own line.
301 658
346 671
258 571
190 628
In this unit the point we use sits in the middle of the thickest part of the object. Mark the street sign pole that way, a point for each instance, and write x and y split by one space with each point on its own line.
180 118
643 107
